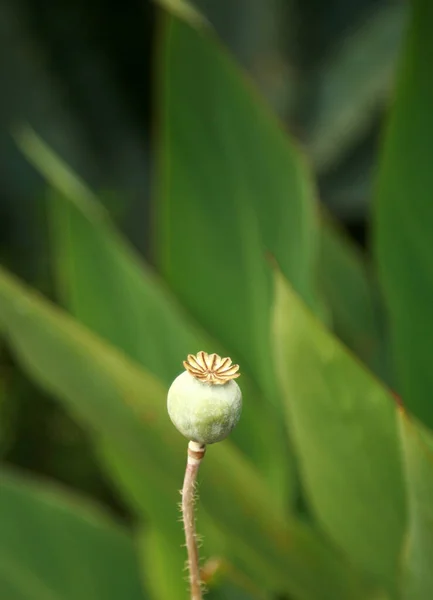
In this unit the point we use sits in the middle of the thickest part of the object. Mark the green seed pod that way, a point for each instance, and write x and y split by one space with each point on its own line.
204 403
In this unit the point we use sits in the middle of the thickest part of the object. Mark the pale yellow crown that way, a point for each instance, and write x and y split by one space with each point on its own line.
211 368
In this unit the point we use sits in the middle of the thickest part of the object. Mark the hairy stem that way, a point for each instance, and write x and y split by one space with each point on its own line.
195 455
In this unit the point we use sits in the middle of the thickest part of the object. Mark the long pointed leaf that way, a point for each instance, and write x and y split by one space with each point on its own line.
55 546
404 217
417 580
230 187
352 296
345 432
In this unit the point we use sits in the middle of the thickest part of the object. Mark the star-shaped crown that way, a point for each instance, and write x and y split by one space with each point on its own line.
211 368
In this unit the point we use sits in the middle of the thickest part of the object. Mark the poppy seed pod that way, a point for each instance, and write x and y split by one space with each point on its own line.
204 402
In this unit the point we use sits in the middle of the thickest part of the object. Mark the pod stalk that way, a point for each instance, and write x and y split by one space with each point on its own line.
196 453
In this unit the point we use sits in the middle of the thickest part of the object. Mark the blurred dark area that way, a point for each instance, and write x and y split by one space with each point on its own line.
80 73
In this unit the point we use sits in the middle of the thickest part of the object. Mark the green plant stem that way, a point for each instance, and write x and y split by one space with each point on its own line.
196 453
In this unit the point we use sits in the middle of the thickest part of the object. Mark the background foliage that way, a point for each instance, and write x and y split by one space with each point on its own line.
251 178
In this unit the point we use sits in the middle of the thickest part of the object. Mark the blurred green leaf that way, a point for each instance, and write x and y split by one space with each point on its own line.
344 430
184 10
8 410
229 591
417 581
354 83
160 563
109 289
55 546
352 297
106 391
231 187
404 217
227 583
